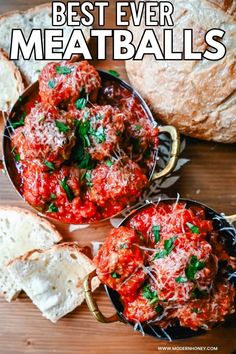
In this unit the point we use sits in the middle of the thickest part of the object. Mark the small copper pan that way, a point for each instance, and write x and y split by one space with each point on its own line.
228 236
31 92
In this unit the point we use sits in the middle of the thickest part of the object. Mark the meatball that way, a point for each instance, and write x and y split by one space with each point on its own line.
119 260
121 181
139 309
63 83
48 135
57 193
99 130
206 312
179 264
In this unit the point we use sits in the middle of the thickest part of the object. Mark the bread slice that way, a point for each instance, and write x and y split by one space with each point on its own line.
53 279
37 17
11 83
20 232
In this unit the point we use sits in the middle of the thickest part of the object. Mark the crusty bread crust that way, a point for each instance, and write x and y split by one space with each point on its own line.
198 97
14 72
70 246
37 219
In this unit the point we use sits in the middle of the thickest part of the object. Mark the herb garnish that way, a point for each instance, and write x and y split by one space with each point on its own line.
83 129
69 193
193 228
52 208
193 267
168 247
123 246
150 295
181 279
195 310
88 179
99 135
52 83
64 70
81 103
115 275
50 165
20 122
114 73
53 196
17 157
138 127
62 127
109 163
156 231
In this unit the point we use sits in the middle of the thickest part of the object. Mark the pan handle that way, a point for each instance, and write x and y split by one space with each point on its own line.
172 131
231 218
92 305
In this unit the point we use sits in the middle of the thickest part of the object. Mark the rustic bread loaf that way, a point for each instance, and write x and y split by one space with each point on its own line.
37 17
20 232
198 97
11 84
53 279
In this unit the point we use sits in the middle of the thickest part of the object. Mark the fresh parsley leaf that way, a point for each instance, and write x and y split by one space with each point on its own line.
169 244
20 122
64 70
99 135
62 127
109 163
114 73
99 116
193 228
160 254
82 130
69 193
52 208
53 196
138 127
150 295
123 246
50 165
81 103
115 275
168 247
181 279
193 267
51 83
17 157
88 179
195 310
156 231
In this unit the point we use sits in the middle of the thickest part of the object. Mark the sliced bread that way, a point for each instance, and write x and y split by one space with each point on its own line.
53 279
11 83
20 232
37 17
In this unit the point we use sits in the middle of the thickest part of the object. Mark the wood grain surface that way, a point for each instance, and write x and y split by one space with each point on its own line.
209 177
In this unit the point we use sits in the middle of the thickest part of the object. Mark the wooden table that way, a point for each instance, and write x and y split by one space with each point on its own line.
209 177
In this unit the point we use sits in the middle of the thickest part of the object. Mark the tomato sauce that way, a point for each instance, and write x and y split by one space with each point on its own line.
84 148
166 269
